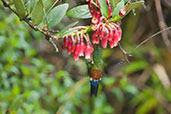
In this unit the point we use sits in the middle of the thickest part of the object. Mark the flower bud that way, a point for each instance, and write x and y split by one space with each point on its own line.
82 47
110 33
115 38
114 42
66 41
111 43
69 46
94 38
94 20
110 9
102 31
75 56
122 12
97 40
104 42
88 51
73 46
77 48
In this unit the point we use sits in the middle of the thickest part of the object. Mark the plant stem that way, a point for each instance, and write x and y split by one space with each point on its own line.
47 34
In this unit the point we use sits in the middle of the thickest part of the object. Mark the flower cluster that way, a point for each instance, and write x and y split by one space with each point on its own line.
78 44
95 10
104 31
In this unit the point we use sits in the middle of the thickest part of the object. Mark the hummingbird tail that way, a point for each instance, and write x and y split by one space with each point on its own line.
94 87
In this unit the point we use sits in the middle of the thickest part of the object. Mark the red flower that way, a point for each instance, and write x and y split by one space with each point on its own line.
82 47
107 32
88 50
104 31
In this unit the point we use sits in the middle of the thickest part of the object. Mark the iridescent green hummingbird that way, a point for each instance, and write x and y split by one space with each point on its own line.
96 70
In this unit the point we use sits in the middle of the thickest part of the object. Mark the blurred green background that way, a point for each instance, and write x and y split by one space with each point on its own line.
34 79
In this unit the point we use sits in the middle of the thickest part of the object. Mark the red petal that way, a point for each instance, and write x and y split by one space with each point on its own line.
82 48
104 42
66 41
88 51
76 56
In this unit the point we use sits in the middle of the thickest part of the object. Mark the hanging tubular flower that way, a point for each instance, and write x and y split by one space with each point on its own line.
107 32
123 11
82 45
88 50
78 43
103 30
95 11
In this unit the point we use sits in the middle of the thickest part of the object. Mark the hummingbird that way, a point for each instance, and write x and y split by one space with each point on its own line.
95 69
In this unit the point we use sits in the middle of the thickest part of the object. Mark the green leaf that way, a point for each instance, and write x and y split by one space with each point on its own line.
67 27
20 8
56 14
52 6
118 93
38 13
131 89
116 18
67 33
117 9
147 106
13 112
31 5
0 109
104 8
114 3
80 12
17 102
135 5
136 66
108 81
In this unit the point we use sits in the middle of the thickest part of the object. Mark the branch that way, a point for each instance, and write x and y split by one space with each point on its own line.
44 31
143 42
162 24
127 54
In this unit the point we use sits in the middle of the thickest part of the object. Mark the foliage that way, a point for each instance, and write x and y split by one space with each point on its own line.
30 84
38 13
81 12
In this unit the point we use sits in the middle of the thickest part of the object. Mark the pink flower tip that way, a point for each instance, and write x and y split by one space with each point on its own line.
104 42
88 51
122 12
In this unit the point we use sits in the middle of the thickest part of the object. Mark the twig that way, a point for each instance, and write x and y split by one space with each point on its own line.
162 24
36 28
143 42
164 78
124 53
51 41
